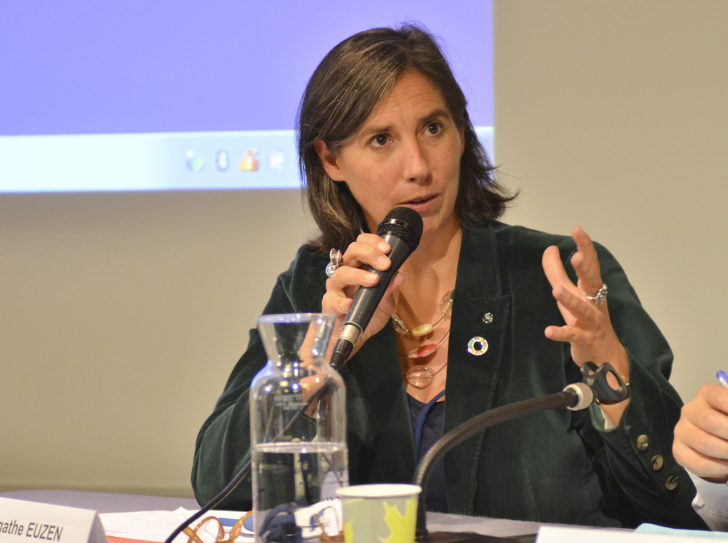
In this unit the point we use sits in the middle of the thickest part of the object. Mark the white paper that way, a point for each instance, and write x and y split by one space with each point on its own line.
555 534
158 525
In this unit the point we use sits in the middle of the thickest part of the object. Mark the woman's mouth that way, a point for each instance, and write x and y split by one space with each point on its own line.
420 202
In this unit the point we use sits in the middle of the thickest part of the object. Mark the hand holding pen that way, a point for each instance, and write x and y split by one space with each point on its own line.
701 434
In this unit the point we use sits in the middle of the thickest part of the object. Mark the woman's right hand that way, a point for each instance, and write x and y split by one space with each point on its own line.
701 434
367 250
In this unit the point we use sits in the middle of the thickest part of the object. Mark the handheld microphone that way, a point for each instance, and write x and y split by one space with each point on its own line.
402 229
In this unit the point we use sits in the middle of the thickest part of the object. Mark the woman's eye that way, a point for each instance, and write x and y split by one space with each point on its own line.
380 140
434 128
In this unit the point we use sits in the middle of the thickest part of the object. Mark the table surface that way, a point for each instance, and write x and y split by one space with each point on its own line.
121 503
101 502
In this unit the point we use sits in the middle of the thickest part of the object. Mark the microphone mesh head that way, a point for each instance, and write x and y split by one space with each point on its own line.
405 223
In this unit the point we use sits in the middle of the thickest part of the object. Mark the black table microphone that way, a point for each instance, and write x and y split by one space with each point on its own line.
575 396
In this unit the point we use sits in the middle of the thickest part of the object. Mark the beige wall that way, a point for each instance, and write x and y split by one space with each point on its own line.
614 115
122 314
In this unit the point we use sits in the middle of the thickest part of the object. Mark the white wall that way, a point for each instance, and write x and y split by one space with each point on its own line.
121 315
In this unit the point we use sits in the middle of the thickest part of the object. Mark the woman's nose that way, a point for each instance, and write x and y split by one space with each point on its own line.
415 163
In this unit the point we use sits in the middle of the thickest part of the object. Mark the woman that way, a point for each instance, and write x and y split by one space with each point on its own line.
383 123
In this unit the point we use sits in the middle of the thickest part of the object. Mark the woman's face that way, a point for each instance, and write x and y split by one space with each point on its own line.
406 154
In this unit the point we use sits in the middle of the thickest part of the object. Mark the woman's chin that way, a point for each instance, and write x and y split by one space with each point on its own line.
440 225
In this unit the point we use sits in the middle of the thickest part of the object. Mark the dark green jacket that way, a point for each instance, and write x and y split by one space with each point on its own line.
558 466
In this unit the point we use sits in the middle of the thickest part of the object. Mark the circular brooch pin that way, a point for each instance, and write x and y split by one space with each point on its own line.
477 346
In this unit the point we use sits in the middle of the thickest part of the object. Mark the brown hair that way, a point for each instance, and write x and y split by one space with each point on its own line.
341 95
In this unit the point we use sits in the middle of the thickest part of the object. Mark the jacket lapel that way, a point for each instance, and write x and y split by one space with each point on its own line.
480 312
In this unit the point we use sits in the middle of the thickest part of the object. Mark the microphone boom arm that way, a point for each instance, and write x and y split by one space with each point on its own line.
574 396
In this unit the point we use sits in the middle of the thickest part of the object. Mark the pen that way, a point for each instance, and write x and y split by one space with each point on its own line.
722 378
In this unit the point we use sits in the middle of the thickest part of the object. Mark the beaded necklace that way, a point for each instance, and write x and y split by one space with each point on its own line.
420 376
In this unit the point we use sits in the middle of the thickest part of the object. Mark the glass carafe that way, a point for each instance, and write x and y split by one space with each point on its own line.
298 417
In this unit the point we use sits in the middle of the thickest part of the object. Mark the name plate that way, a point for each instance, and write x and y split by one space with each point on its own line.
30 522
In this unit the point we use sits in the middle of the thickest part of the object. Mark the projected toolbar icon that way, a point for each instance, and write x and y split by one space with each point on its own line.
275 159
222 160
249 163
194 164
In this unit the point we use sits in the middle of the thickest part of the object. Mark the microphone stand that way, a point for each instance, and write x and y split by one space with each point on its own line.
574 397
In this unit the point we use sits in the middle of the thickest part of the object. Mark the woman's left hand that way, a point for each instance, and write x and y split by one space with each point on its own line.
588 327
